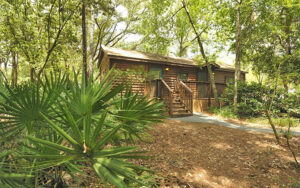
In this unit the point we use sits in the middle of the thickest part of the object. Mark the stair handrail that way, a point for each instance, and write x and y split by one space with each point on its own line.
169 100
185 94
186 87
166 85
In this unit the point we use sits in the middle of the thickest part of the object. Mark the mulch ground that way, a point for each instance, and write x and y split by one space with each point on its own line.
205 155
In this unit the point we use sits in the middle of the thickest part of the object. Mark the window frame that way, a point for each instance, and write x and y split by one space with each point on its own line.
183 73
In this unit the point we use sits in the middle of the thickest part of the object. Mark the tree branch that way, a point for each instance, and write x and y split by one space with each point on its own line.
54 44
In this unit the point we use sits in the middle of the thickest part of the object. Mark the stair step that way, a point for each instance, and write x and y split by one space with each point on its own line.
177 103
180 110
175 114
178 106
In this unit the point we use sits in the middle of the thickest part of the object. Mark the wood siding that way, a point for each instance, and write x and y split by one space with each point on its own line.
137 83
104 66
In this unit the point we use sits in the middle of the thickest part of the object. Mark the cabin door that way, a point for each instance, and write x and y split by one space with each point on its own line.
155 87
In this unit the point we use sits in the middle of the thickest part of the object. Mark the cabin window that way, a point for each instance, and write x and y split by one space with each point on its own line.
156 73
229 80
137 68
202 76
183 76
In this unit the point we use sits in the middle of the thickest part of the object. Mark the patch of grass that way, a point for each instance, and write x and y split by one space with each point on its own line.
278 121
226 111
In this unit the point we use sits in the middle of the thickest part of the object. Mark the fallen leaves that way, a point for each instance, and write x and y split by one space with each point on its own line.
204 155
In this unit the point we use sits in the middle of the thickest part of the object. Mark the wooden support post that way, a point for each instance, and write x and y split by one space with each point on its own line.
192 103
157 94
171 104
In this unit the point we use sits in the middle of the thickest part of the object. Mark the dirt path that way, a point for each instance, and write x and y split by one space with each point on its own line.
203 118
190 154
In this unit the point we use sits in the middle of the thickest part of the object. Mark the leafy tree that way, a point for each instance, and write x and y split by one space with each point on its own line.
202 25
274 46
34 29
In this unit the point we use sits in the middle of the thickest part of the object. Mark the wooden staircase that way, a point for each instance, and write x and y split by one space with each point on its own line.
179 103
179 108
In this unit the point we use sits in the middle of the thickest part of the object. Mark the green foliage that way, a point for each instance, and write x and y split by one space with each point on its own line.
226 111
11 174
253 99
23 104
67 126
3 90
136 112
250 98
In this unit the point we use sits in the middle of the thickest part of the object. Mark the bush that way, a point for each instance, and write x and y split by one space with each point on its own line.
250 100
253 98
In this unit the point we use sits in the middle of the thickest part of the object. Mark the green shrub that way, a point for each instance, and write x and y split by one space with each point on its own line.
64 126
253 98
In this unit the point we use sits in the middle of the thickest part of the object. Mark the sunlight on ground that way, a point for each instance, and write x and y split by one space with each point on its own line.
264 144
221 146
207 180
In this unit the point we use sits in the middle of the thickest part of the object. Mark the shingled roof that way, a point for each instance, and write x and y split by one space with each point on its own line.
135 55
117 53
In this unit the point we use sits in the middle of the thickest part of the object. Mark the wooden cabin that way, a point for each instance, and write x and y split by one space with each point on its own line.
181 83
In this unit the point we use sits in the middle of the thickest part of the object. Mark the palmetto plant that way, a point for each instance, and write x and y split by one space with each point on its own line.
78 128
89 145
136 112
22 105
11 175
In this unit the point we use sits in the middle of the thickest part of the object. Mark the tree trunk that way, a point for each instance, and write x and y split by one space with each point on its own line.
14 71
237 57
213 84
181 49
286 87
32 73
273 126
2 74
84 45
91 43
209 68
269 108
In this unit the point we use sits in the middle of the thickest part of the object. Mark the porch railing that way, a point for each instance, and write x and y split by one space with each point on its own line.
167 96
185 94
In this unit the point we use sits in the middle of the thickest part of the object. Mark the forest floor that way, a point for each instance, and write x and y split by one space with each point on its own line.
186 154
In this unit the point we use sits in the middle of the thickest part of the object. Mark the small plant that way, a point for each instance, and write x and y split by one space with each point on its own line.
226 111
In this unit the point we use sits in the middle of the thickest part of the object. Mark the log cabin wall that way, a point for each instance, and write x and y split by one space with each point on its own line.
104 66
137 83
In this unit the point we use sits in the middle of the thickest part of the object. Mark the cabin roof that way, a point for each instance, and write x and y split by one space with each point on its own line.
130 54
118 53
